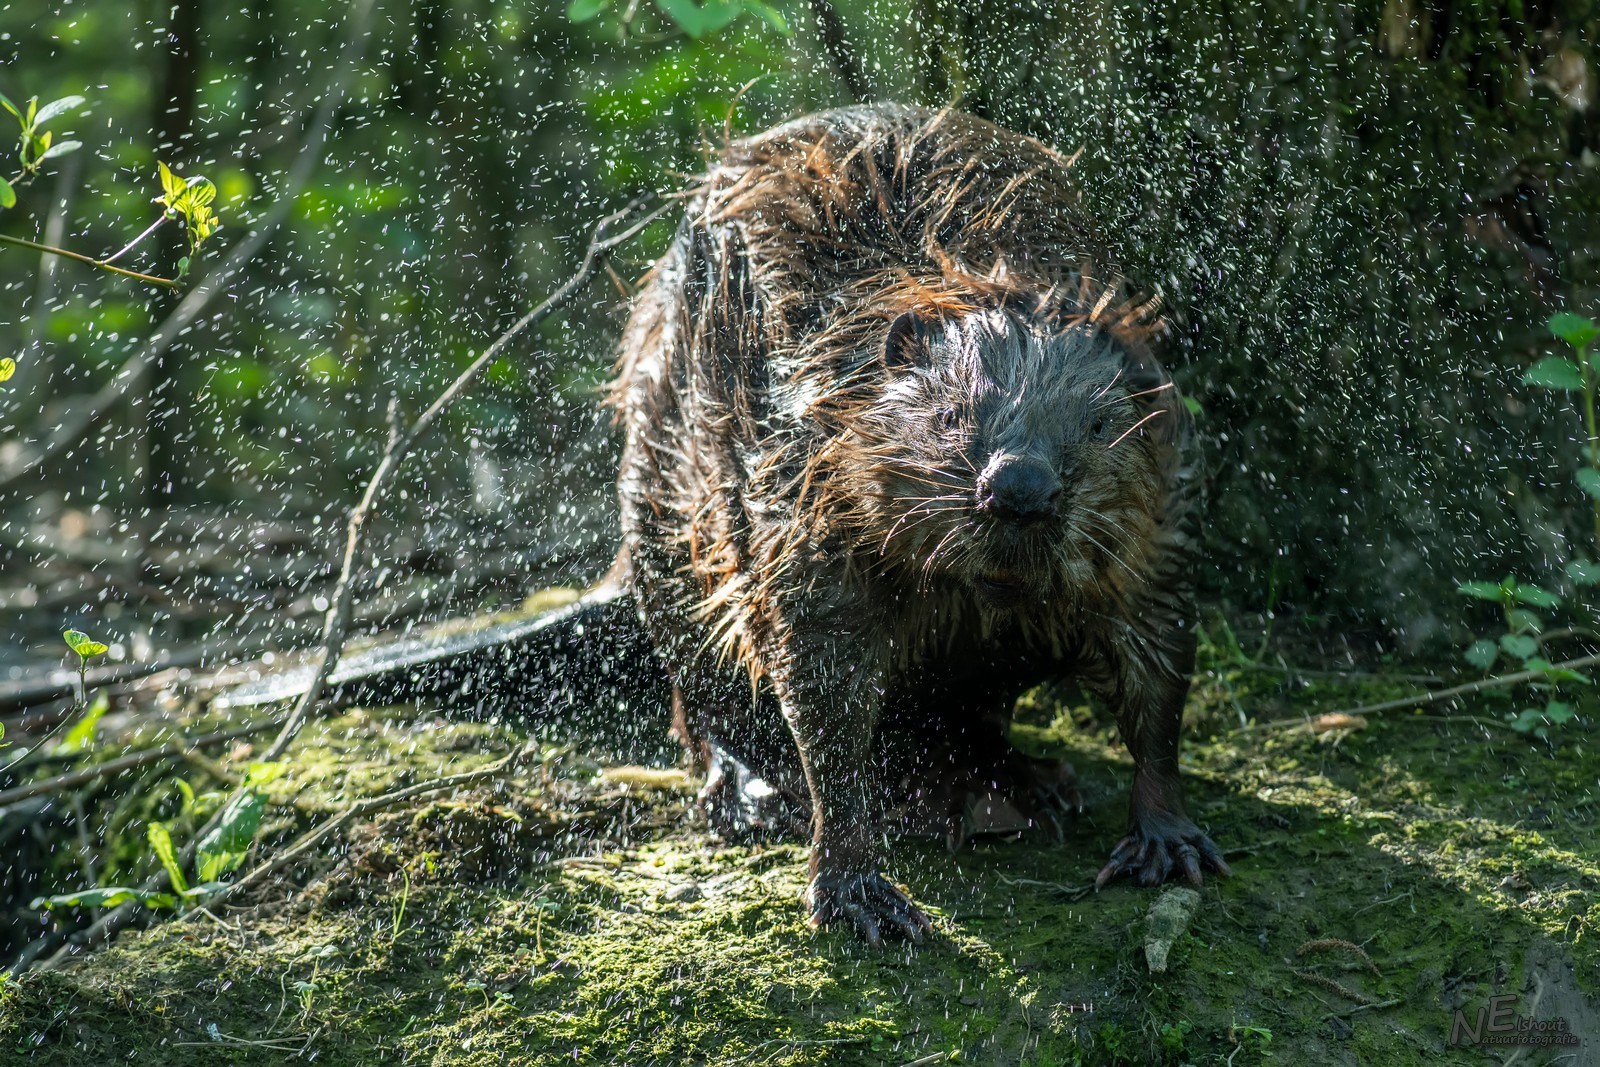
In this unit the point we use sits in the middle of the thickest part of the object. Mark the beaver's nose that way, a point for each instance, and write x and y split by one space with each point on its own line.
1019 491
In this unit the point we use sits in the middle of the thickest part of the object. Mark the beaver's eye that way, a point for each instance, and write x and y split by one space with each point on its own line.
947 418
1099 428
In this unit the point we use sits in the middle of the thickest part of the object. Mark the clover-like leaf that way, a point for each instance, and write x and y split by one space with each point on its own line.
8 195
8 367
1523 621
1559 712
83 644
1554 372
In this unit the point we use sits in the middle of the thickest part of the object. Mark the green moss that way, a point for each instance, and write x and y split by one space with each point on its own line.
580 917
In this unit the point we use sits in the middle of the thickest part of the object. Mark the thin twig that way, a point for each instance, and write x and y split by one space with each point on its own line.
337 622
1435 696
601 242
845 62
361 809
67 253
72 427
143 757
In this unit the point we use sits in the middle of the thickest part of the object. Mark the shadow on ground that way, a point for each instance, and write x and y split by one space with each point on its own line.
1384 879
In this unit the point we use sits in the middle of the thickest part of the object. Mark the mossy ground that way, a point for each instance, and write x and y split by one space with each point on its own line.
578 915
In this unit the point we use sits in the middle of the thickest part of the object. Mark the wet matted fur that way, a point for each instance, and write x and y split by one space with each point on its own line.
898 447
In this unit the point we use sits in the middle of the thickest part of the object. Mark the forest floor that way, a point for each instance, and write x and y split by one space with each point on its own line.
1385 876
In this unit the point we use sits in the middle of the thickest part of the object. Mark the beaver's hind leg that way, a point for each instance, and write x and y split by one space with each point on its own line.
754 786
953 772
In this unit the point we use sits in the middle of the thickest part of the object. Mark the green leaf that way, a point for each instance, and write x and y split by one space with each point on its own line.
1495 591
57 107
1582 572
8 195
8 367
5 102
1554 372
698 20
83 644
224 848
1588 480
59 149
1529 721
161 842
81 737
1576 330
104 897
172 186
1482 654
1558 712
1523 621
584 10
1194 406
1534 596
685 14
1519 645
774 18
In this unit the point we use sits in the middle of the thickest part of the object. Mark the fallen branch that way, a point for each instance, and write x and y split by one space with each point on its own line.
1438 695
103 264
75 424
141 758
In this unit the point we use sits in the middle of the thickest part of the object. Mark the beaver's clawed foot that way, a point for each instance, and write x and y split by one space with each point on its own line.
1160 845
868 902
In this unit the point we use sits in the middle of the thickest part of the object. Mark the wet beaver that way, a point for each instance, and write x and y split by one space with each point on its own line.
896 451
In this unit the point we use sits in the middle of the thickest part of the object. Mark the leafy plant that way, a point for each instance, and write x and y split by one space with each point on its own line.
86 649
217 854
1523 604
36 144
188 200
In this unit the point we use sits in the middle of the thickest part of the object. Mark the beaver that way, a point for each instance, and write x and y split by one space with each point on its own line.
897 449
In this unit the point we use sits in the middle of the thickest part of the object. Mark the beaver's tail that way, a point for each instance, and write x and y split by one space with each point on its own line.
573 664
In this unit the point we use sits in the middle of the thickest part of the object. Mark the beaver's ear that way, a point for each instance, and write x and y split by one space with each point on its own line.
903 343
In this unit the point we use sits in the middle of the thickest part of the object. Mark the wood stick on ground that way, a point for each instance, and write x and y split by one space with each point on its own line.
1436 696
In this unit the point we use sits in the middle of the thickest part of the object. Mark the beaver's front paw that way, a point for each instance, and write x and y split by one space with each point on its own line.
868 902
1160 845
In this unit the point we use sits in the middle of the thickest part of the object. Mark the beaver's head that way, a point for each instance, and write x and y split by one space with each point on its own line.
1023 456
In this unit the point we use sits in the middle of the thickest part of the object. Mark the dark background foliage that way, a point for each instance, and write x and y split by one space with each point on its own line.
1360 216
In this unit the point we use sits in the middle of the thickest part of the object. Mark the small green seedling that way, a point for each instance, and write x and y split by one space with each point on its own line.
86 649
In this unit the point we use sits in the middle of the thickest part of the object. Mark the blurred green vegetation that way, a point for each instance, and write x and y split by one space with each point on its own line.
1361 217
